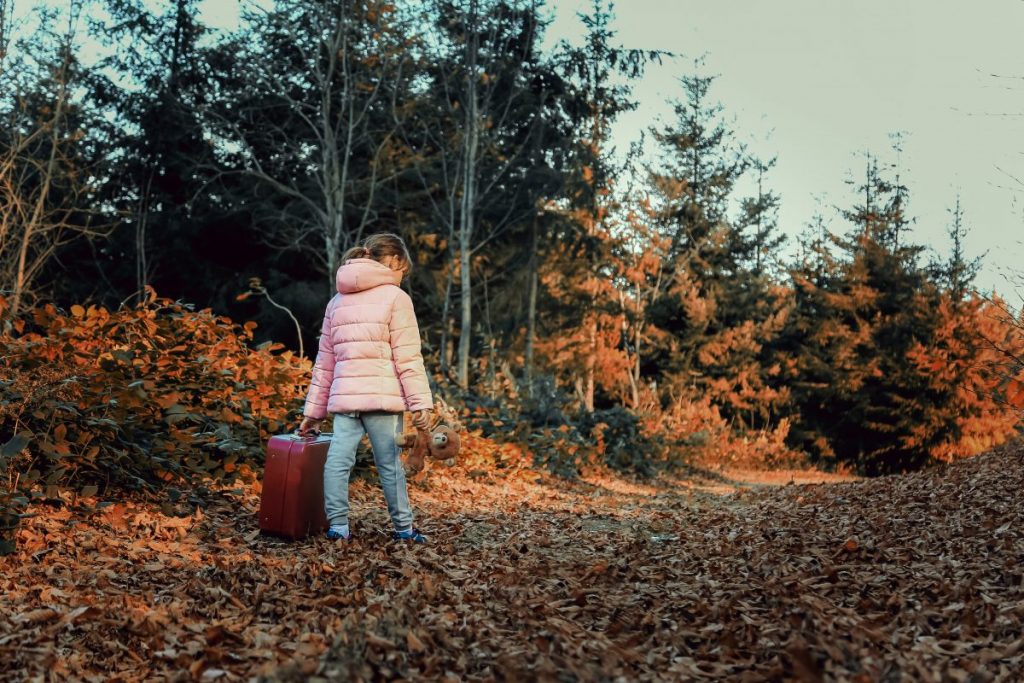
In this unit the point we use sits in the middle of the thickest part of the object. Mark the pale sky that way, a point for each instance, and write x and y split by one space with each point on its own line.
815 82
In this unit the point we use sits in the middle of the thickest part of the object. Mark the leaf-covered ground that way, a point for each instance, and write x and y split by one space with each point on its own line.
915 577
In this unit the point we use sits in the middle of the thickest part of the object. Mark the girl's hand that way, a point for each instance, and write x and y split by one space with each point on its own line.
308 424
421 419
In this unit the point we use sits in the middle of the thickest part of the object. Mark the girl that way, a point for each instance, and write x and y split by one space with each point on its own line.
368 371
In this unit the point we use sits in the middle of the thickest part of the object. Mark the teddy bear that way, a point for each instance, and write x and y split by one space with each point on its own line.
439 442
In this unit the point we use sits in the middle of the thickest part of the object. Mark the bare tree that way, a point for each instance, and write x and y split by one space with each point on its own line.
310 128
468 166
42 182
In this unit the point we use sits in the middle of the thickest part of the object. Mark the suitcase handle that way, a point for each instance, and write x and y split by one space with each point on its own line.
312 433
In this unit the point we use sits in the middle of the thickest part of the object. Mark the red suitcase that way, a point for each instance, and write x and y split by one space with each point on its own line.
292 502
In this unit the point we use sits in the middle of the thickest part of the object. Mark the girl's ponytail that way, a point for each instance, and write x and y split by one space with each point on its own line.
356 252
379 245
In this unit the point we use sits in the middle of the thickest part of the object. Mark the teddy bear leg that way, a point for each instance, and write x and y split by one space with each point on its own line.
413 462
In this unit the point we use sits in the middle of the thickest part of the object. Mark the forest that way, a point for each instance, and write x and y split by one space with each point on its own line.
624 337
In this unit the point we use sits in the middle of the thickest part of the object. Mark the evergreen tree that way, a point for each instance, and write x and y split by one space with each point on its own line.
970 363
886 370
580 277
958 272
756 240
149 89
718 303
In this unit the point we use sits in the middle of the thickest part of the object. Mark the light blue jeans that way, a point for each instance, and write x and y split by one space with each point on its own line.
341 456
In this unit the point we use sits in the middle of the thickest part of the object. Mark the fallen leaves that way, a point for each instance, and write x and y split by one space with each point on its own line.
915 577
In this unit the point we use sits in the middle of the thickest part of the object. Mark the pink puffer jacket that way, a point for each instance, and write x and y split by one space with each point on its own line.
369 357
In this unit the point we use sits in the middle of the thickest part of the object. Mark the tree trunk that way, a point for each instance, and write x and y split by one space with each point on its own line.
472 133
337 148
760 213
588 380
531 312
636 362
177 44
6 10
446 324
450 333
141 222
465 331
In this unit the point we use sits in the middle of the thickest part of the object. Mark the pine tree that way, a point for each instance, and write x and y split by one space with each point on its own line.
970 362
718 303
887 369
958 272
580 277
157 81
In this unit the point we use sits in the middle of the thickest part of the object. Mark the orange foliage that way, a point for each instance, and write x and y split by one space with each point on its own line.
138 397
696 433
597 343
968 357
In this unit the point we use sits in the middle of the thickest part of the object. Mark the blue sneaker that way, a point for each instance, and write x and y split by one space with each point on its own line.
336 535
413 535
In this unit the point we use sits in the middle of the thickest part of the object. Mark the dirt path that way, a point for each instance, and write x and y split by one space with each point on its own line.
914 577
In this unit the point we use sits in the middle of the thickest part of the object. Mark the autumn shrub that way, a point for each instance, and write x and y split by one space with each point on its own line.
500 414
550 425
651 438
691 431
559 436
622 442
150 397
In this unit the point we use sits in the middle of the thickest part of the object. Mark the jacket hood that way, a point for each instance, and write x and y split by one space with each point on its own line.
358 274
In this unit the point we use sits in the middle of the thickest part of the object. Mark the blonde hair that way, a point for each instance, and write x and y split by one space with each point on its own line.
380 245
